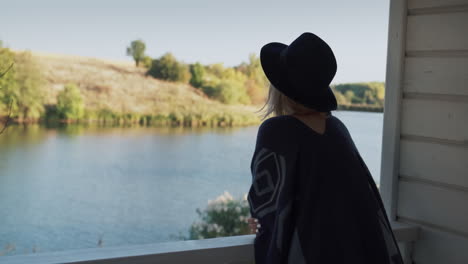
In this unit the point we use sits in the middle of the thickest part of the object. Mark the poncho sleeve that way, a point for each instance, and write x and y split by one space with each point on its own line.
271 196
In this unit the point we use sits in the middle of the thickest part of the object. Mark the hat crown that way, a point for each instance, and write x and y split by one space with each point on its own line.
309 57
302 71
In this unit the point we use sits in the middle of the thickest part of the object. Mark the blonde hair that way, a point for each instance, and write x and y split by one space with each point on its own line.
279 104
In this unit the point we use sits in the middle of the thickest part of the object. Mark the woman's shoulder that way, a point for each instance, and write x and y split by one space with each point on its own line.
279 125
278 129
275 122
276 135
337 124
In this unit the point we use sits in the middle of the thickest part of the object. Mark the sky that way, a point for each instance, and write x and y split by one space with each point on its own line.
207 31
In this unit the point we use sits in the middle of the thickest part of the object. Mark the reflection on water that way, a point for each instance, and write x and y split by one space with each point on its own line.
81 186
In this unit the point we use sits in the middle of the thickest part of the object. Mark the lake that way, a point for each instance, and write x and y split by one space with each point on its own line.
71 187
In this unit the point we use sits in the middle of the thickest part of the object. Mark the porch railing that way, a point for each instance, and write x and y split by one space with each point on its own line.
226 250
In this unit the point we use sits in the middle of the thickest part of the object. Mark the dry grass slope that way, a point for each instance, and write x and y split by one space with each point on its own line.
123 88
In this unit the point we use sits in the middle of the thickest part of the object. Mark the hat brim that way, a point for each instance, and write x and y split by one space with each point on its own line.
270 59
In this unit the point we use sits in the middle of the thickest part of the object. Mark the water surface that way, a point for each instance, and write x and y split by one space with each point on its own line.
76 187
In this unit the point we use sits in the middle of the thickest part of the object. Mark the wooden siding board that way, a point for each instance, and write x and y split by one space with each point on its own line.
437 119
435 205
413 4
437 32
448 76
436 247
433 157
434 162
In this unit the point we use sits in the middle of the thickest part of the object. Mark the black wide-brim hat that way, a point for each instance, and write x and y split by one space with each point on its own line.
302 71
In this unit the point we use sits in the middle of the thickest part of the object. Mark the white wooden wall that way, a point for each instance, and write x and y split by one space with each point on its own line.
425 145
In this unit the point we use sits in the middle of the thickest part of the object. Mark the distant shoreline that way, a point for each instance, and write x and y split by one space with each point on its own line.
361 108
163 122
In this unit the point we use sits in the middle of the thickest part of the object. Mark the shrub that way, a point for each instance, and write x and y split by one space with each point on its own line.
168 68
70 104
209 89
224 216
197 71
232 92
147 61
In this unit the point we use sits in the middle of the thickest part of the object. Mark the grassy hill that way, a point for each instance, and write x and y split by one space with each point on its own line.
122 90
117 92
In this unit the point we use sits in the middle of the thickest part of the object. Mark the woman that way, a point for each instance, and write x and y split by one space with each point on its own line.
312 194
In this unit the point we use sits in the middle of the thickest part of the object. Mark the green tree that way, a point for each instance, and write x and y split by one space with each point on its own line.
70 104
137 50
23 86
168 68
340 98
378 92
256 83
6 65
197 71
349 95
216 69
227 85
7 79
369 97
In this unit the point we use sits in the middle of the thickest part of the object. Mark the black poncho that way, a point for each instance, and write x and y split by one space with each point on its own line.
315 199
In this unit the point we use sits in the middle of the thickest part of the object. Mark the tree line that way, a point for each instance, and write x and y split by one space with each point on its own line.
245 83
24 96
368 96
